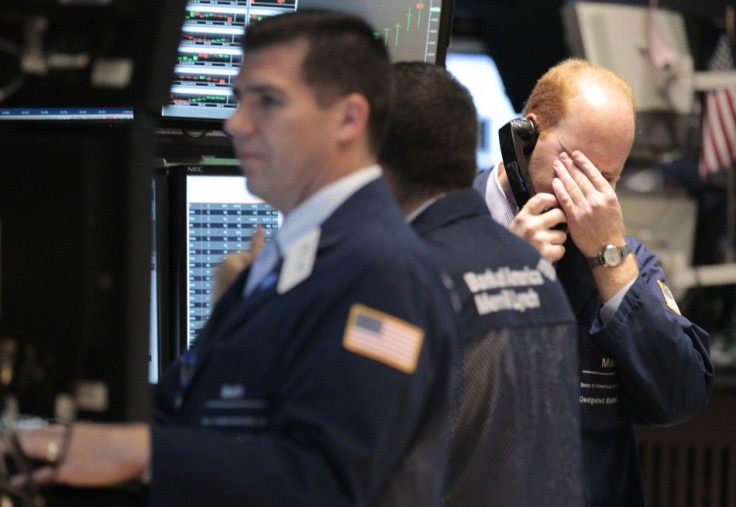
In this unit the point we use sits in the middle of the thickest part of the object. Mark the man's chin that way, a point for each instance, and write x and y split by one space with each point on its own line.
253 187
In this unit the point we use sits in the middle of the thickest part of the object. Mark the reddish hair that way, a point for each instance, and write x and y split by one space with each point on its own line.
551 95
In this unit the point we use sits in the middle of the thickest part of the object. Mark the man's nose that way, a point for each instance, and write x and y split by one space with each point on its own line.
239 124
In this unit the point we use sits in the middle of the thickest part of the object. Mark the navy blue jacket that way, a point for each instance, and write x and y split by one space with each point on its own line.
280 412
647 365
516 440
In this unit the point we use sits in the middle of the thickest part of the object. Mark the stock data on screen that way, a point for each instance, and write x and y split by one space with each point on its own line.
210 53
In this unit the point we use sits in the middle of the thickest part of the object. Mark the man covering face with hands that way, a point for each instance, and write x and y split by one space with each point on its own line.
641 361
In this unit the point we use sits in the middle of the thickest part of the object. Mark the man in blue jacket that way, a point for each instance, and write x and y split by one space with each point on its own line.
516 438
325 375
641 361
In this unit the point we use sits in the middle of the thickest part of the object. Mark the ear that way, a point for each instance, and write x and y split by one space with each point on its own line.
533 118
354 112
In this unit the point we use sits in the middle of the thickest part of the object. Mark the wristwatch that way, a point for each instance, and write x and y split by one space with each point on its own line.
610 256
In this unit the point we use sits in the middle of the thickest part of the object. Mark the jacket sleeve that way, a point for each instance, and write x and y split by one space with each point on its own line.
664 365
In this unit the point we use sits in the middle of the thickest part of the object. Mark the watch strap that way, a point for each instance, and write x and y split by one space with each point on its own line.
596 261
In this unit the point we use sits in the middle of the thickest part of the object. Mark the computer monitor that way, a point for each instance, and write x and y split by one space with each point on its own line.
80 114
86 60
210 54
203 212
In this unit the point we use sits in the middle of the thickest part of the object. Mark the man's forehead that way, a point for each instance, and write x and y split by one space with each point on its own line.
271 64
605 150
297 46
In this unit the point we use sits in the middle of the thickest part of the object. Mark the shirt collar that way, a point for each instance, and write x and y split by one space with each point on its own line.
426 204
502 209
315 210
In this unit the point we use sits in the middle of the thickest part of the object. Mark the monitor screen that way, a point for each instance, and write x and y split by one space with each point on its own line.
82 60
84 114
210 213
210 54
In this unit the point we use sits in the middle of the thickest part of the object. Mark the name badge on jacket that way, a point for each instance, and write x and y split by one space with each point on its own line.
299 261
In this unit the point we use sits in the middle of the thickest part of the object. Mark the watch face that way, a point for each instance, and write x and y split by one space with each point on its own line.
611 255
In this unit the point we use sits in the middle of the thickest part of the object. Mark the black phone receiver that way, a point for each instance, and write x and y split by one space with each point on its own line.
517 139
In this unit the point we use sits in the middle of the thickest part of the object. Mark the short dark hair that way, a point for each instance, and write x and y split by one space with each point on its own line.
433 131
344 56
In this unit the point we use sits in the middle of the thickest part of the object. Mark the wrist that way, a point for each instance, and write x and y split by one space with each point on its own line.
610 281
610 256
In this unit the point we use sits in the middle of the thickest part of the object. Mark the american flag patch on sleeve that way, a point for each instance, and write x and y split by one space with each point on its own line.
669 299
383 337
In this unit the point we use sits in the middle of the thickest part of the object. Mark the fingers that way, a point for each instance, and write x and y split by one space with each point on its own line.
589 201
93 455
553 253
591 172
44 444
583 173
535 224
234 263
550 243
582 170
544 211
259 238
578 182
575 186
539 203
228 270
561 192
42 476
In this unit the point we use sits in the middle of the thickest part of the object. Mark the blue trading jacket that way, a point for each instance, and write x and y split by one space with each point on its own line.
279 412
647 365
516 440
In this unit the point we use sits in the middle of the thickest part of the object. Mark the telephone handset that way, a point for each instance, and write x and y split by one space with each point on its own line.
517 139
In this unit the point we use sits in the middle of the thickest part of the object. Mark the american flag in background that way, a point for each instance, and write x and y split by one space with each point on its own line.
718 148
